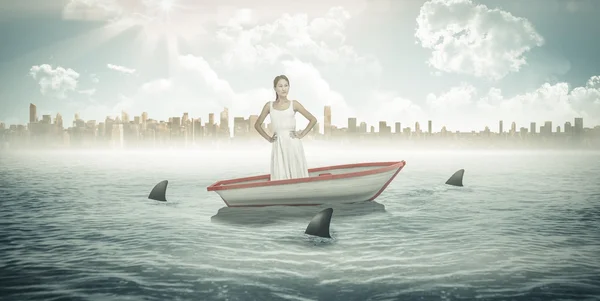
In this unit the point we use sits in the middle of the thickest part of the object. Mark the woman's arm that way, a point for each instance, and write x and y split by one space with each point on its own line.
312 120
259 122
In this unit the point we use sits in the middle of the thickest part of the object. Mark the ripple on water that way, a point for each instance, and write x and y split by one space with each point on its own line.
87 231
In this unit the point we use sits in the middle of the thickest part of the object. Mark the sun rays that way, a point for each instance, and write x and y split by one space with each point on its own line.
156 27
166 5
162 23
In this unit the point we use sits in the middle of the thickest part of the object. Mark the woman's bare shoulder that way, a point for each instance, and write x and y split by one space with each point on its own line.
297 105
266 107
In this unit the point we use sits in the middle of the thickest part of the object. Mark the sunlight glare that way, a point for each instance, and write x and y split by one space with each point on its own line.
166 5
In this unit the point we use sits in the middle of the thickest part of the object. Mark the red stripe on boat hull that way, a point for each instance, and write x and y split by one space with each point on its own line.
386 167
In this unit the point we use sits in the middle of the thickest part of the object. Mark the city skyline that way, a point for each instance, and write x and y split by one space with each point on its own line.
183 132
461 63
321 127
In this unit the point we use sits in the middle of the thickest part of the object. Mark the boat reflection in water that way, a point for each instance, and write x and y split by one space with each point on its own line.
272 214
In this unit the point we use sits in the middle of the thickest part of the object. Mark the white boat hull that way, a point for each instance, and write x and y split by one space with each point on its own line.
326 185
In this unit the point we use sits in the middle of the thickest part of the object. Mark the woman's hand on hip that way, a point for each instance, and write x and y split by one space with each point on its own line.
296 134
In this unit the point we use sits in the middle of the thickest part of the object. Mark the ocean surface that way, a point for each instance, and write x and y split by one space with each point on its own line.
77 225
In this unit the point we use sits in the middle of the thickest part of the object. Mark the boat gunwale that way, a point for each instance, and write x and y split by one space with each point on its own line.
231 183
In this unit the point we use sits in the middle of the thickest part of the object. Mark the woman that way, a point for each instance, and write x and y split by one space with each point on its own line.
287 155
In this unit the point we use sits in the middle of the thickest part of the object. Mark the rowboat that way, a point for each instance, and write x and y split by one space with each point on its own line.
349 183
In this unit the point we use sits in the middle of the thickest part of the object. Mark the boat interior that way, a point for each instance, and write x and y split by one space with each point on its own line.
315 172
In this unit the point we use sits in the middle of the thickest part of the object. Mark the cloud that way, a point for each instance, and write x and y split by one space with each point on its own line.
390 107
100 110
309 87
121 69
311 51
456 98
462 108
194 88
88 92
125 104
230 16
190 18
157 86
586 100
305 48
219 86
219 12
56 81
319 40
197 88
153 20
466 38
167 97
94 78
157 97
92 10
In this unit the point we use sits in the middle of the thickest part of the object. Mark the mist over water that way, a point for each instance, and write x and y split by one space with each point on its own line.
77 225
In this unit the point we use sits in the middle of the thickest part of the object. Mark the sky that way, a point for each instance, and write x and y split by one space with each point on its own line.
463 64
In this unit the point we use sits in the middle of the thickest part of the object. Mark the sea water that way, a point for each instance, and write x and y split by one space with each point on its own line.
77 225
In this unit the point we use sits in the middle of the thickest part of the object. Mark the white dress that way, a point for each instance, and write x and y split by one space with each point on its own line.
287 155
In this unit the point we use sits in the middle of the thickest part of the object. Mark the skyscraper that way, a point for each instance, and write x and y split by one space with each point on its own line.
578 127
327 125
352 125
547 128
224 124
58 121
32 113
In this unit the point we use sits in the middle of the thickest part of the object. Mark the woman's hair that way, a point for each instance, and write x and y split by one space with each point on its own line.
277 78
